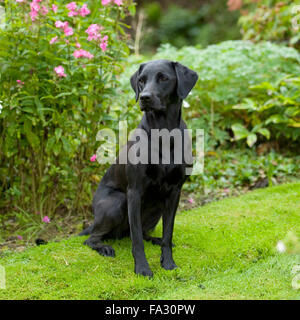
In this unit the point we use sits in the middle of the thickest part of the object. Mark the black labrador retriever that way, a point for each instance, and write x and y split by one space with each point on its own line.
131 198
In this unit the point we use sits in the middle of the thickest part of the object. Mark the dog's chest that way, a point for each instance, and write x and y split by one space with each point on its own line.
165 175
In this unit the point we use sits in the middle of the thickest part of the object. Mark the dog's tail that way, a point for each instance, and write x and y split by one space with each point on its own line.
86 231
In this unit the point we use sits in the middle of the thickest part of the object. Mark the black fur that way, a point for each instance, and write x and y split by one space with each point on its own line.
131 198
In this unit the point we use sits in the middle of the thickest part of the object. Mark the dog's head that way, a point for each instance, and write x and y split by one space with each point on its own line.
160 83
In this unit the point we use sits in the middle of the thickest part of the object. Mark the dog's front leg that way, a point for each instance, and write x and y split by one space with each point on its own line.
171 205
136 233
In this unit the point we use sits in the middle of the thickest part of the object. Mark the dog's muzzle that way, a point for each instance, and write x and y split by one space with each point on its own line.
150 103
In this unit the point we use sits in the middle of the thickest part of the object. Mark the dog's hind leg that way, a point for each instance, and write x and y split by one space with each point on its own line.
86 231
109 214
94 242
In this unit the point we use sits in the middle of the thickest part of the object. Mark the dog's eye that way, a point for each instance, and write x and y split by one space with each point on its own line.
162 77
142 81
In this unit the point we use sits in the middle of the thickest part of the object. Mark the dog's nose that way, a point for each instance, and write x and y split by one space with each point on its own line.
145 97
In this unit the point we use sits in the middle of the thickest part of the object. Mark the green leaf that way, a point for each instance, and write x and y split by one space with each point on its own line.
265 132
247 104
131 9
58 132
27 109
30 135
109 117
63 94
240 132
39 106
292 111
66 145
56 148
294 124
50 144
251 139
276 118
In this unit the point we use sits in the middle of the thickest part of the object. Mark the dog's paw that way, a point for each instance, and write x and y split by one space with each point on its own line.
106 251
168 264
144 271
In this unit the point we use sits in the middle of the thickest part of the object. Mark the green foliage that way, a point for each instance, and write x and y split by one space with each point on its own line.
235 76
276 106
228 172
48 124
276 20
204 24
224 250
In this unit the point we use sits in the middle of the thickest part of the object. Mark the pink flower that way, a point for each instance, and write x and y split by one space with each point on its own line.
60 71
89 55
191 200
93 32
60 24
20 82
82 53
34 6
54 8
77 53
33 15
72 13
71 6
20 237
53 40
44 10
68 31
118 2
78 45
34 9
103 44
19 1
93 158
46 219
84 11
65 26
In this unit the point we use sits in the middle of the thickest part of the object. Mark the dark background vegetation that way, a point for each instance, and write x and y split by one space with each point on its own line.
182 23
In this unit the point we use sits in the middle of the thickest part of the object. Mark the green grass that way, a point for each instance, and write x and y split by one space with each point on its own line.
225 250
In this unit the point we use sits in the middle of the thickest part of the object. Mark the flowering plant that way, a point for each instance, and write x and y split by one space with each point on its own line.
59 63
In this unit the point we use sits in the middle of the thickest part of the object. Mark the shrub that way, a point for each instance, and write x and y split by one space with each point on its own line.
276 106
231 74
59 64
275 20
198 23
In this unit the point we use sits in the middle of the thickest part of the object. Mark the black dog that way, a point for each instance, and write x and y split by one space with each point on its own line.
131 198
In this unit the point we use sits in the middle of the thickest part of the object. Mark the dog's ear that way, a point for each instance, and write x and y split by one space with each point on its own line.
186 79
134 82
